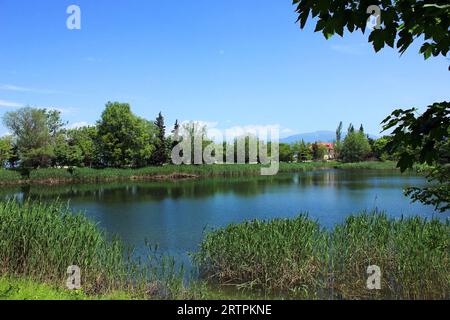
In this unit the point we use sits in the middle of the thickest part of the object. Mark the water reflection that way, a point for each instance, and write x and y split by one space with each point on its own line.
174 214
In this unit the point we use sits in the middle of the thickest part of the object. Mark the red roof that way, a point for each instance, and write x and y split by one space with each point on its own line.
329 145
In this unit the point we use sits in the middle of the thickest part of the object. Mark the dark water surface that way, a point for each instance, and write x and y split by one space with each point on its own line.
175 214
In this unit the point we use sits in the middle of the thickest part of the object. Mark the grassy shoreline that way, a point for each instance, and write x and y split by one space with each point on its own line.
39 241
280 258
13 288
53 176
298 258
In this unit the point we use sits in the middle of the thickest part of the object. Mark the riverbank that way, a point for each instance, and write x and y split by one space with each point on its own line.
281 258
38 242
26 289
297 258
53 176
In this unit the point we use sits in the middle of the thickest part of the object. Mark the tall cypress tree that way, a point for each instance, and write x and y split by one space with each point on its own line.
351 128
160 156
176 127
339 133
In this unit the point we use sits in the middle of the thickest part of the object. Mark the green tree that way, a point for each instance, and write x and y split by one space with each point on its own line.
338 144
339 132
195 133
54 122
351 129
173 139
6 149
160 155
34 131
76 147
63 153
286 153
355 147
14 159
86 140
318 151
424 139
125 140
379 149
403 22
303 151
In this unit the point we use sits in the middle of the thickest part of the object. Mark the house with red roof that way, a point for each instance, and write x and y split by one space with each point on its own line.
330 155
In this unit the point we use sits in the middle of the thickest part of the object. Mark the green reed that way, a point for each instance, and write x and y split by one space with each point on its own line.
39 241
299 259
369 165
78 175
9 176
282 254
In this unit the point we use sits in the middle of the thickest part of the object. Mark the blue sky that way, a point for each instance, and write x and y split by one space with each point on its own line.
227 62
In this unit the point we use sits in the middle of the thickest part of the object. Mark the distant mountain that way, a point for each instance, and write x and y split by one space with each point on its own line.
322 136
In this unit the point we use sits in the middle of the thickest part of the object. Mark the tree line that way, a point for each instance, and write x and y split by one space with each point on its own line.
356 146
39 139
120 139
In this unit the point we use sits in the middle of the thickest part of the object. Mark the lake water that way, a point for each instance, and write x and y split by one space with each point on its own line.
175 214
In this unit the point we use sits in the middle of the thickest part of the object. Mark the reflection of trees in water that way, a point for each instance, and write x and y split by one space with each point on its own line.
350 179
323 179
155 191
139 191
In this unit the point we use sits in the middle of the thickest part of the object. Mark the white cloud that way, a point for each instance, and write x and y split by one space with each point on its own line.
10 87
262 131
201 123
14 104
218 133
10 104
287 131
62 110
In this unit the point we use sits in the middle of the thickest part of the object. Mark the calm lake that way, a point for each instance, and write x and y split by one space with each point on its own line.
175 214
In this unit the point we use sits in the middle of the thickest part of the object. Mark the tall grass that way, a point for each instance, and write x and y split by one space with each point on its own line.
168 172
40 241
186 171
413 254
282 254
78 175
50 174
298 258
369 165
9 176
